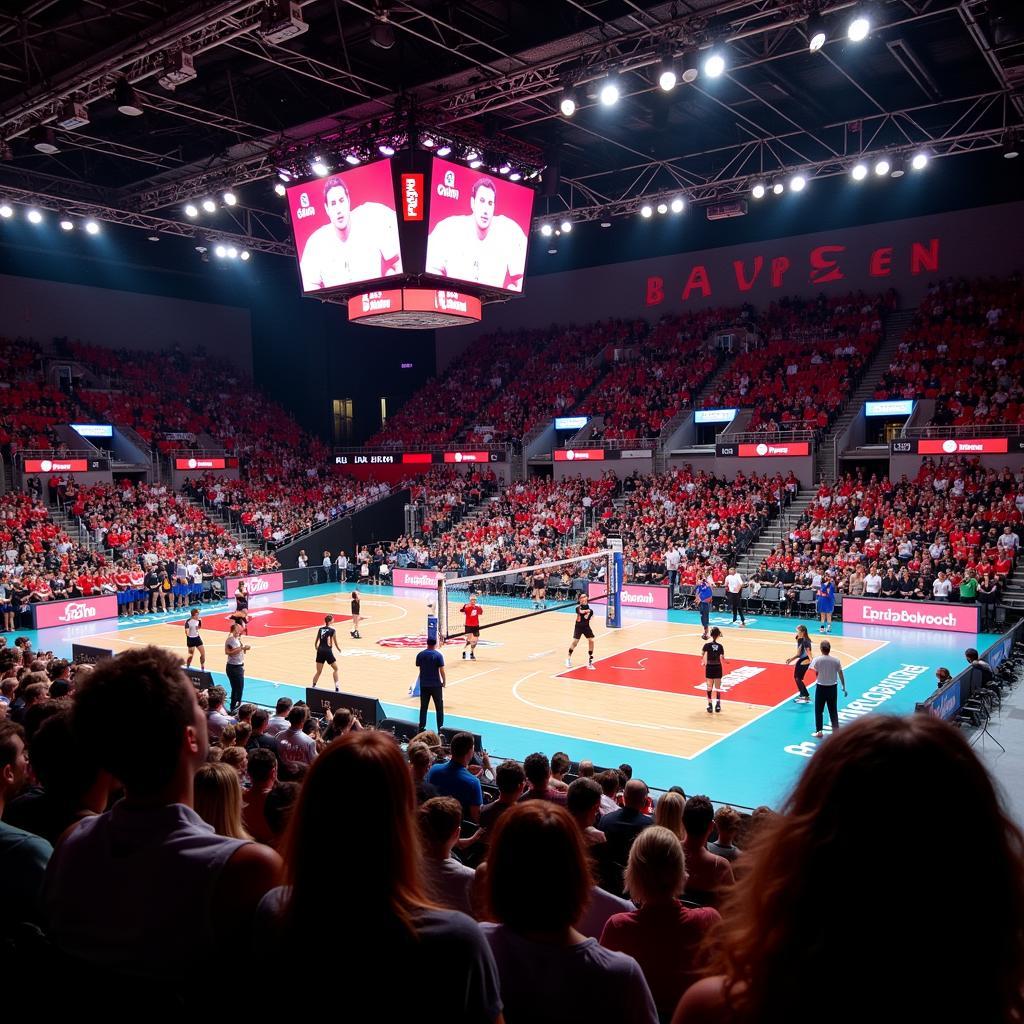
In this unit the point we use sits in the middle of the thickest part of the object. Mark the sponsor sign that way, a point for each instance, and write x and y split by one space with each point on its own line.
57 466
633 595
417 458
422 579
265 583
420 641
944 618
466 457
891 407
83 654
635 453
764 449
93 429
946 702
571 422
79 609
956 445
412 196
714 416
218 463
457 305
579 455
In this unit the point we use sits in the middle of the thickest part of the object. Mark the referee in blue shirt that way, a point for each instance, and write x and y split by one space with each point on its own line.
704 594
432 682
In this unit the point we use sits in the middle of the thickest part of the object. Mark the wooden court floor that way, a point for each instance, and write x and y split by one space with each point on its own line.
646 691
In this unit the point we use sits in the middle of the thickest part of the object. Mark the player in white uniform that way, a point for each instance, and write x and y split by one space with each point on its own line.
193 641
481 246
359 244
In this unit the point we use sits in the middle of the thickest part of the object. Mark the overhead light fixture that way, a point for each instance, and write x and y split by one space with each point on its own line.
220 251
758 190
899 167
797 183
714 65
920 161
777 187
859 27
475 163
859 172
567 104
515 176
191 210
66 224
154 238
382 34
690 65
92 227
609 92
280 189
244 255
127 99
504 169
319 168
232 253
552 251
72 115
646 210
386 149
284 174
230 198
179 68
34 216
44 140
566 227
1011 146
606 223
6 211
816 35
444 150
209 206
883 166
472 154
282 20
677 204
662 207
352 159
546 230
667 74
429 142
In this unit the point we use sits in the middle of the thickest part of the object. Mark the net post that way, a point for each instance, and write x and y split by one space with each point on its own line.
614 576
437 623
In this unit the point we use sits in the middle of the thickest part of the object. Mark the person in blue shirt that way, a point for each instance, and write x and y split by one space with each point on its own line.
432 682
703 595
454 779
826 603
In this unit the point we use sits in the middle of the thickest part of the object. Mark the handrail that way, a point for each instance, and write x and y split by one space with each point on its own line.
968 430
390 449
53 456
614 444
775 435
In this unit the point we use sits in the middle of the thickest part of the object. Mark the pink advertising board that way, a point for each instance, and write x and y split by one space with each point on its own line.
75 611
265 583
954 618
634 596
422 579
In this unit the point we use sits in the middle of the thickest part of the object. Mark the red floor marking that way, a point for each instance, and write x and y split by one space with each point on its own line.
749 682
273 621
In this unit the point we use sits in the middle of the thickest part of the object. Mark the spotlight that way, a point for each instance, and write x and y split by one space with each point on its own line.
714 65
920 161
230 199
192 211
429 142
382 34
386 149
606 223
883 166
444 150
609 94
677 204
662 207
472 154
645 210
546 230
66 224
475 163
153 238
778 188
567 104
232 253
816 33
797 183
319 168
552 251
1011 146
244 255
280 189
515 176
92 227
284 174
758 190
667 75
859 172
209 206
859 27
34 217
127 99
6 211
44 140
220 252
899 167
690 65
566 226
351 159
504 169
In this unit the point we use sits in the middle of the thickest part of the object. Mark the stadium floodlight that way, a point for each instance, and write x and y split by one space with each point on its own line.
859 27
319 168
220 251
34 216
568 103
920 161
690 65
797 183
777 187
92 227
677 204
662 208
352 159
646 210
859 172
505 168
566 226
127 99
232 253
444 150
515 176
1011 146
284 174
472 154
476 162
386 149
714 65
66 224
883 166
44 140
429 142
209 206
546 230
244 255
280 189
6 211
191 210
609 92
816 34
230 199
667 74
899 167
758 190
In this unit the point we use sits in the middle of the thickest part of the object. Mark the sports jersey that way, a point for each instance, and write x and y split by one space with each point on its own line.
192 627
472 613
370 251
584 613
324 635
714 651
455 249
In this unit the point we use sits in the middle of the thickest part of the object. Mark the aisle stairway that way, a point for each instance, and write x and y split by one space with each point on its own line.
771 536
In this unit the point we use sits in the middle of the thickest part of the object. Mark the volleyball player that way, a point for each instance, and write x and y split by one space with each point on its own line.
826 600
355 616
241 612
582 628
538 583
326 639
472 611
193 641
713 659
803 661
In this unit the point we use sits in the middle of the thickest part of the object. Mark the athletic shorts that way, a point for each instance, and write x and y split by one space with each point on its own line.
237 617
713 672
799 671
193 641
583 629
325 656
473 631
355 610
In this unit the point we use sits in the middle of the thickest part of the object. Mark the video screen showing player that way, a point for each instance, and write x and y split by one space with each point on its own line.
478 228
346 228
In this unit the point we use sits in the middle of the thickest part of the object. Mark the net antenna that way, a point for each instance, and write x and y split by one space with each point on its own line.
509 595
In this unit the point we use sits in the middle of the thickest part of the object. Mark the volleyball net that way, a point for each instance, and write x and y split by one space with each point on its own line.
521 593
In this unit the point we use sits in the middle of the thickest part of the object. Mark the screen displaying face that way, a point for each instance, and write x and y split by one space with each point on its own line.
346 227
478 227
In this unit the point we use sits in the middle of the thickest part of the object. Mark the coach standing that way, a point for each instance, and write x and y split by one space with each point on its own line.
734 591
432 682
829 671
235 669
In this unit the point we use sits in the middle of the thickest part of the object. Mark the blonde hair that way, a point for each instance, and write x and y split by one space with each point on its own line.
236 757
727 819
218 799
669 814
656 869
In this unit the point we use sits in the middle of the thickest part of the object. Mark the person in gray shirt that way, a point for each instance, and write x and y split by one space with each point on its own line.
829 671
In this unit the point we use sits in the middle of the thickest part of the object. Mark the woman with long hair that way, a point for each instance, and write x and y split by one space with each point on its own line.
355 819
817 902
713 659
218 799
669 814
802 658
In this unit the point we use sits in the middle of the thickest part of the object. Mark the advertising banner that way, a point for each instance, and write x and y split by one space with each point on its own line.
937 617
421 579
633 595
75 611
265 583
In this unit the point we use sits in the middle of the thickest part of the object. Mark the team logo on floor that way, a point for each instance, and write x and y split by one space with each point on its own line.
421 641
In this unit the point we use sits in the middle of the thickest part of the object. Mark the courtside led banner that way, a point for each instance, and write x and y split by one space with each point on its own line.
421 579
956 445
265 583
937 617
633 595
400 458
467 457
57 466
764 450
187 464
579 454
74 612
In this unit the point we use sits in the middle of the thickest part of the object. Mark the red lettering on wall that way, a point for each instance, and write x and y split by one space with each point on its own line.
922 259
698 279
881 262
824 269
779 267
655 290
741 279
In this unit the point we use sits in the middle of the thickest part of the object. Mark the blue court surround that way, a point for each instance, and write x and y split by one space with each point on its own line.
755 765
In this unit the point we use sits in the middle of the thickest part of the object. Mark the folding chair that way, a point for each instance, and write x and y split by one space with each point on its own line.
771 599
805 601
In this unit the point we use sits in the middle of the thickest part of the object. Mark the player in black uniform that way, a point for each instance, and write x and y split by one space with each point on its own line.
584 613
713 658
355 616
802 658
326 638
241 612
538 584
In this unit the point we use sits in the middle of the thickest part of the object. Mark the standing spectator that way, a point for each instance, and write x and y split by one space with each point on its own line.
538 883
942 587
447 881
708 876
218 799
663 936
453 778
827 831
